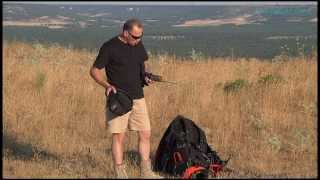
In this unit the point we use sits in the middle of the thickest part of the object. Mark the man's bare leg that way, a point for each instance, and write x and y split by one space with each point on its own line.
117 154
144 150
144 144
117 147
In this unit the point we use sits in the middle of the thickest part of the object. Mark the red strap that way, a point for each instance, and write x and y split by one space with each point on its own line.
190 170
176 156
215 168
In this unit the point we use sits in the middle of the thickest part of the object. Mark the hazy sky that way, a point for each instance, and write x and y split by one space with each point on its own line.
245 3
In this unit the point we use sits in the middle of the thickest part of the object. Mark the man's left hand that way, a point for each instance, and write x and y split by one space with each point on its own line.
148 80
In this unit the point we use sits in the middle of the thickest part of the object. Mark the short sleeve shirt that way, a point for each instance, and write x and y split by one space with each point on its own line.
123 64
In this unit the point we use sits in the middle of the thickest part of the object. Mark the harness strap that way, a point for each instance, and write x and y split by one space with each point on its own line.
215 168
191 170
177 157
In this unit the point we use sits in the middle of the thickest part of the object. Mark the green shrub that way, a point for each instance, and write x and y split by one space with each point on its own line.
196 55
40 80
275 142
236 85
270 79
302 136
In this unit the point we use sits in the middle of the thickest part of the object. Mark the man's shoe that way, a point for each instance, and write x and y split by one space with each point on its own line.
146 171
120 171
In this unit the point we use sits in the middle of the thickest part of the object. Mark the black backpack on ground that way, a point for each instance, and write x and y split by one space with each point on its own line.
183 151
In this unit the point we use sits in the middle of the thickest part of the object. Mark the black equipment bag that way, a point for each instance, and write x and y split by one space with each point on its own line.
183 151
119 103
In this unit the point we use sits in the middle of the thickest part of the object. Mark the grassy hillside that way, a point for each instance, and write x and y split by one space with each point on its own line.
264 113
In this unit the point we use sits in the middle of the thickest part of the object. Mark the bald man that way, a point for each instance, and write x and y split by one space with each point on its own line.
123 58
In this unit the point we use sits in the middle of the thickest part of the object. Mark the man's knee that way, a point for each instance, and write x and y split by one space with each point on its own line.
144 135
118 137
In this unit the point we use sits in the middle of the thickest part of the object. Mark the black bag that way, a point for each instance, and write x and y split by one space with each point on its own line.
183 151
119 103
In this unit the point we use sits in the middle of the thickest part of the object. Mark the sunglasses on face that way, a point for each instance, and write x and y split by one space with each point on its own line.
135 37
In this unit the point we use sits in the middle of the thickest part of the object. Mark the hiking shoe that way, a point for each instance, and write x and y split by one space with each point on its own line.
120 171
146 171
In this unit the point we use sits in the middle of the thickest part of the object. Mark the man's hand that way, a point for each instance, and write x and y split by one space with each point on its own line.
109 89
148 80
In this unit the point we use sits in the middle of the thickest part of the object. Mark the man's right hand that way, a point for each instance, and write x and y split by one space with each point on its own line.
109 89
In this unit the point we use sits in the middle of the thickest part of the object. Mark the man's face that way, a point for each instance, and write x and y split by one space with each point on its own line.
134 36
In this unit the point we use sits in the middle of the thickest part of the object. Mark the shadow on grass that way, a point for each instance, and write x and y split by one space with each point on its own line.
25 151
132 156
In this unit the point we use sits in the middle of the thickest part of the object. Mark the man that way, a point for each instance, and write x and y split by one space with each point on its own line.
123 58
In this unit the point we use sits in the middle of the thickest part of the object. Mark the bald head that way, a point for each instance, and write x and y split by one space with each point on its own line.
130 24
132 31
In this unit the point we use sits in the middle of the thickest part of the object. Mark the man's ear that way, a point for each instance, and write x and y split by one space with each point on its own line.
125 34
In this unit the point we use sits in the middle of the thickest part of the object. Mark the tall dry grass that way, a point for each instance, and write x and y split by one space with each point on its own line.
53 113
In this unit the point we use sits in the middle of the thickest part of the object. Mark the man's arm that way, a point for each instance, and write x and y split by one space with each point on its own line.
97 75
147 66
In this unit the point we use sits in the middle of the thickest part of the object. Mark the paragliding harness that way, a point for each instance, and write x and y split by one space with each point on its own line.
183 151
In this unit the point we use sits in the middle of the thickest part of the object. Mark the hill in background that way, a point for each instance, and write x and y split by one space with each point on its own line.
210 31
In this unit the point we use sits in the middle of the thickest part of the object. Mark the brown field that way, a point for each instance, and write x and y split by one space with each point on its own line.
53 113
240 20
58 22
314 20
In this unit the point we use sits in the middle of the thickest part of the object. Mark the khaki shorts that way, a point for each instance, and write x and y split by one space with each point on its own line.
137 119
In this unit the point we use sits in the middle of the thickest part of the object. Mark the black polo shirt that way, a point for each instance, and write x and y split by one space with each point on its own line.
123 64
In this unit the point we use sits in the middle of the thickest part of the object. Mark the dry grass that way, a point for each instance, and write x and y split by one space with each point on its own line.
53 113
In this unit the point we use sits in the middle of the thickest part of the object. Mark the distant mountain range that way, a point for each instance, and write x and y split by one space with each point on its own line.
172 16
162 23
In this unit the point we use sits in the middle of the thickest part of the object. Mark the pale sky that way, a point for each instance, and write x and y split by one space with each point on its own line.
205 3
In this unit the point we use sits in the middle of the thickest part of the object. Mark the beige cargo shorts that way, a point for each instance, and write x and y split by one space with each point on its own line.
137 119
